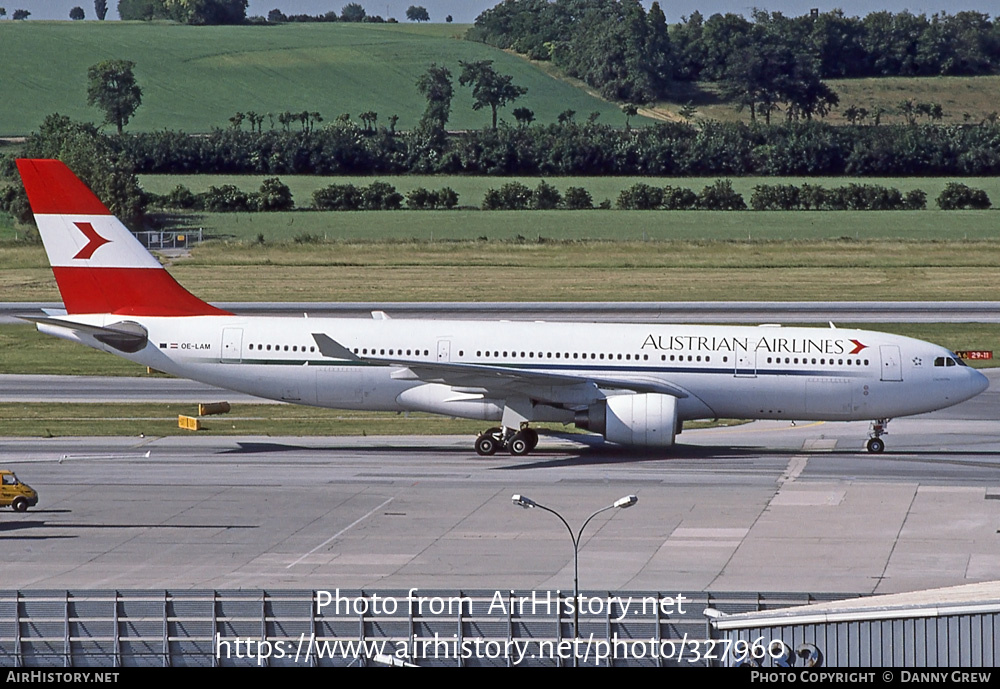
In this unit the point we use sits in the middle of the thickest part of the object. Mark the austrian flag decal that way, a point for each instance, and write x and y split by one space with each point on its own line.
94 240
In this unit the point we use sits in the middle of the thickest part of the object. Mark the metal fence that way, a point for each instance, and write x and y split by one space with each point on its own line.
170 239
163 628
934 636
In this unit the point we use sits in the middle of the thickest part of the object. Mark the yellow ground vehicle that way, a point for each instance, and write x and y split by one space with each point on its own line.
19 496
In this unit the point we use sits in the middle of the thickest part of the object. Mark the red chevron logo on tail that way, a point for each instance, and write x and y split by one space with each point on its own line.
94 240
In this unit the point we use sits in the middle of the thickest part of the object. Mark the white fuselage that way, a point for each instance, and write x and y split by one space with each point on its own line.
764 372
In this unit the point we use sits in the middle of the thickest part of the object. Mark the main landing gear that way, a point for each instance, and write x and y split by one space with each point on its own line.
875 443
518 443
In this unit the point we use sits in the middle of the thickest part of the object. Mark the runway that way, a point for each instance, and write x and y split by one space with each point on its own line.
745 312
96 389
768 506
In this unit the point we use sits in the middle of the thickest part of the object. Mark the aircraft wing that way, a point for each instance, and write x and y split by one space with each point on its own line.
502 380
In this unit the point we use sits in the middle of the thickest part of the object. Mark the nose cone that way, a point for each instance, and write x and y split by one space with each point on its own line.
977 382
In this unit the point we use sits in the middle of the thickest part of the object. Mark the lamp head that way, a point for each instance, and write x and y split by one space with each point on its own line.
626 502
522 501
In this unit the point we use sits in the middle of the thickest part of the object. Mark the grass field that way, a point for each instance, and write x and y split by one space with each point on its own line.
958 96
471 189
626 226
888 270
48 420
195 78
337 68
930 224
584 271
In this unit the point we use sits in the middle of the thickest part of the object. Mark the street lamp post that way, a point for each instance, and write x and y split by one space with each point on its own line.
622 503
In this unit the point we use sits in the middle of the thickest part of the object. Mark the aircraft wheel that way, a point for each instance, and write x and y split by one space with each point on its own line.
19 505
519 445
532 437
486 444
876 445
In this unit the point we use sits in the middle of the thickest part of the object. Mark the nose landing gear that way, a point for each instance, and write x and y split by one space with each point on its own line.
518 443
875 443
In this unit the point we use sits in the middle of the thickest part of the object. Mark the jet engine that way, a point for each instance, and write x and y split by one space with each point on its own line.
647 419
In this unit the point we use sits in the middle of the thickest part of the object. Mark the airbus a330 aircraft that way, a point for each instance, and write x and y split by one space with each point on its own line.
633 384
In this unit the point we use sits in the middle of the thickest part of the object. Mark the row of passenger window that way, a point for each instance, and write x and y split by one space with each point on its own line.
497 354
278 348
821 362
594 356
312 349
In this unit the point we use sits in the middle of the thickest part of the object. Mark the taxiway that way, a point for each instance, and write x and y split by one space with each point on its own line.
767 506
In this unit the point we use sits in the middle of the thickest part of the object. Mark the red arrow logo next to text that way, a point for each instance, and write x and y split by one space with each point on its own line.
857 347
94 240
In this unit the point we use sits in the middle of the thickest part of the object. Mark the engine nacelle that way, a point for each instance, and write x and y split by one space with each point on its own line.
647 420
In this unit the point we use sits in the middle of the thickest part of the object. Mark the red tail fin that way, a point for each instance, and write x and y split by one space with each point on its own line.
99 265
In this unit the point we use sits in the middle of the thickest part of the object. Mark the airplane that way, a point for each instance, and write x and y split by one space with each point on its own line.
634 384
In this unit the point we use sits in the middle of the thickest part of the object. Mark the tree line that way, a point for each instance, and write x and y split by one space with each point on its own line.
274 195
109 163
631 55
235 12
201 12
578 148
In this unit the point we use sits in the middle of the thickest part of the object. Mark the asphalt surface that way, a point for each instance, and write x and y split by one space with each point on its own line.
617 312
768 506
96 389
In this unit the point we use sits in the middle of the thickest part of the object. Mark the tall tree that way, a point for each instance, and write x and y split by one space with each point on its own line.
489 87
76 14
352 12
112 88
659 56
416 13
630 110
771 66
616 48
524 116
101 9
435 85
95 159
688 47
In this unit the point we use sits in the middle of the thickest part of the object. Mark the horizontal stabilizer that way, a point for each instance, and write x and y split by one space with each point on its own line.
126 336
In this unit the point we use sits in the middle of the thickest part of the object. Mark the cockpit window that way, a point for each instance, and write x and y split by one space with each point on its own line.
939 361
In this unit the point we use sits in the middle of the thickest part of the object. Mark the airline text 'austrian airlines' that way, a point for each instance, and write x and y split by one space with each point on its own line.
634 384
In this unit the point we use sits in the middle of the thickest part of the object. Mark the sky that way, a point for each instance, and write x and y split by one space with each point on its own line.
466 11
